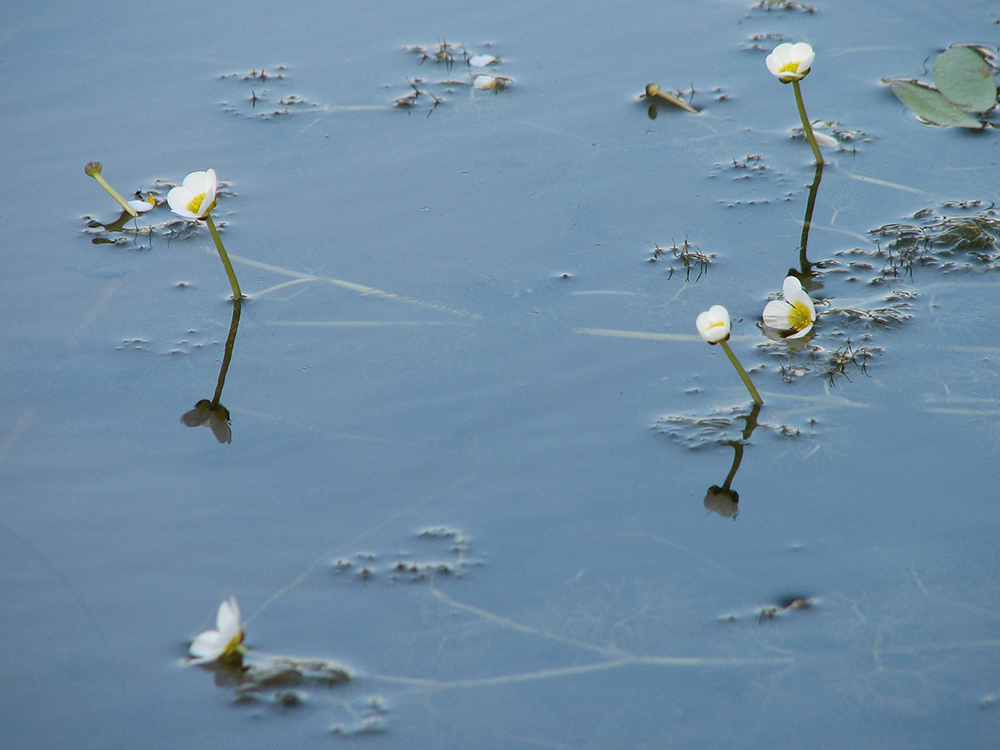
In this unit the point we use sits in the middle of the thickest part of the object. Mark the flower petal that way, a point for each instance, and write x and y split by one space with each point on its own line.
211 187
794 294
228 618
803 53
178 199
776 315
207 646
142 206
714 324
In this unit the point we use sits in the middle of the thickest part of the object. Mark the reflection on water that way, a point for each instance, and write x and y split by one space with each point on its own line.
723 499
211 412
504 386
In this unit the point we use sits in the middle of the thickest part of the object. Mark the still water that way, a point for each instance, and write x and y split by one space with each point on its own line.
472 425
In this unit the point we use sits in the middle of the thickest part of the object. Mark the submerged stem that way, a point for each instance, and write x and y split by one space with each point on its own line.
225 258
805 122
742 373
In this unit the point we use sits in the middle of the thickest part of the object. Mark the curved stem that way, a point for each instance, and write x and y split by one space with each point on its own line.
114 194
805 123
737 460
804 263
228 354
742 373
225 258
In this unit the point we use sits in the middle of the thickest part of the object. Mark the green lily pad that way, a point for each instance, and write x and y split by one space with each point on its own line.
965 77
930 105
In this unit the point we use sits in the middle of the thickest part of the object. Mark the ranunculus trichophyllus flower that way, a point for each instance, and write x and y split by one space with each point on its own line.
714 324
224 642
141 205
790 62
793 316
194 197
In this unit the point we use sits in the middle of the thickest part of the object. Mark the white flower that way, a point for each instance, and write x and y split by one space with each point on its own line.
793 316
223 643
146 204
790 62
714 325
481 61
485 82
195 197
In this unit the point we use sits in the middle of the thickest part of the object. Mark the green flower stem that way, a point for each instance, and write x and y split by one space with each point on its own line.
114 194
805 122
742 373
225 258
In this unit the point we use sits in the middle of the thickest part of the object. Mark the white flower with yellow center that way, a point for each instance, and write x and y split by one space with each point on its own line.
194 197
793 316
790 62
224 642
141 205
714 324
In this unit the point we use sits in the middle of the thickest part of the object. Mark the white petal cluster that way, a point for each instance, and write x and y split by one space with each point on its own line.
790 62
146 204
714 324
793 316
222 642
194 197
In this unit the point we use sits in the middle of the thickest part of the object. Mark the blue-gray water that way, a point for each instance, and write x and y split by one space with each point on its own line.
494 437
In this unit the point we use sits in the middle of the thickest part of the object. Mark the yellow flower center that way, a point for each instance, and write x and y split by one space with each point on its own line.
799 316
195 205
232 647
791 67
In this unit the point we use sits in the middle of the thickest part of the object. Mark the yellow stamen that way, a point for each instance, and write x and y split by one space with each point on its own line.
799 317
195 205
232 647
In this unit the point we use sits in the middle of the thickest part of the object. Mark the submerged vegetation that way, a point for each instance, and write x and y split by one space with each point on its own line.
812 328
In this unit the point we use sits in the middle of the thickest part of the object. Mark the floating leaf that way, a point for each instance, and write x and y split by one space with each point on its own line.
965 77
929 105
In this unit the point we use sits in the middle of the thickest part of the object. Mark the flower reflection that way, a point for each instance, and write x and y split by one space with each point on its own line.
724 500
805 272
211 412
214 415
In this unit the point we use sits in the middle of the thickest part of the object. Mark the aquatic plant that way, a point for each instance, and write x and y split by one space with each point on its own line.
194 200
792 316
222 643
714 327
93 169
211 412
655 94
790 63
965 89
